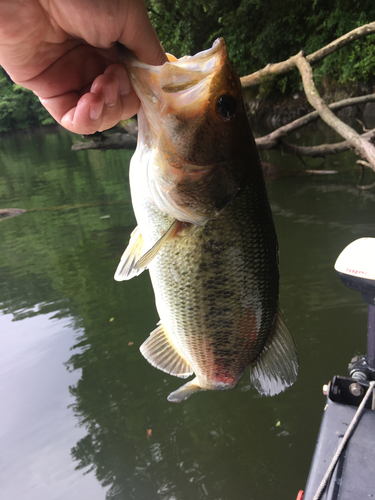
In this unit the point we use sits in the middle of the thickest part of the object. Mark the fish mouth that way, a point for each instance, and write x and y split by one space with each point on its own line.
176 84
174 76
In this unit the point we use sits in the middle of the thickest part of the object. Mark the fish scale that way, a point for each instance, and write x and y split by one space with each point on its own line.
205 310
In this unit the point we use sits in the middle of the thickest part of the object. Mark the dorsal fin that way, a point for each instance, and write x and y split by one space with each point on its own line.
276 368
126 268
160 352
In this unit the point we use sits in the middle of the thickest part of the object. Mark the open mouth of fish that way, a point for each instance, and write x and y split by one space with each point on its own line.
186 77
181 84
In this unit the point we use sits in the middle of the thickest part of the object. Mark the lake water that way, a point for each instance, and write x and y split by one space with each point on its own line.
83 415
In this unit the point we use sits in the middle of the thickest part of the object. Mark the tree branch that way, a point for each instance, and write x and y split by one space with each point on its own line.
321 150
364 148
271 140
271 70
114 141
362 31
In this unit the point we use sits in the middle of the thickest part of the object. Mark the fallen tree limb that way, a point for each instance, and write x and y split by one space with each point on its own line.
114 141
323 149
271 70
363 147
271 140
362 31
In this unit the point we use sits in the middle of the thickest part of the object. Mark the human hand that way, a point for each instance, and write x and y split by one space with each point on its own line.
65 52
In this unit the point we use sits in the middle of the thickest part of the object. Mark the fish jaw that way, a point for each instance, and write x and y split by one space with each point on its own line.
194 159
174 85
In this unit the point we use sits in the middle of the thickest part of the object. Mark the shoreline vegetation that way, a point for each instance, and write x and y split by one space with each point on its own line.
20 108
258 35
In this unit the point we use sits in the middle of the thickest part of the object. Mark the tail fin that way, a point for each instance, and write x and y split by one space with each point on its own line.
276 368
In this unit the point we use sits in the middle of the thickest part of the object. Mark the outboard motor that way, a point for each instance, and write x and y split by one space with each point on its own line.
344 457
356 269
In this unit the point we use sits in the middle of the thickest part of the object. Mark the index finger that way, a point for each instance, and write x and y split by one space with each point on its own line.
139 36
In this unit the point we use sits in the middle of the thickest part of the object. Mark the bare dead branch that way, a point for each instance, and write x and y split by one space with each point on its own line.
114 141
270 141
314 151
363 148
271 70
363 187
7 213
268 72
365 30
323 149
363 163
361 145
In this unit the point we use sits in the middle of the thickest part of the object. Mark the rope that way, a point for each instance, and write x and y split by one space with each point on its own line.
345 439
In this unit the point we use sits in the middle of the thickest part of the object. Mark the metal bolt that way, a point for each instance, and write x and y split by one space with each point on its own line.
356 389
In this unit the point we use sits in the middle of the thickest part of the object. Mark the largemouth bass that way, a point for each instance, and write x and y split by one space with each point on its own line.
205 229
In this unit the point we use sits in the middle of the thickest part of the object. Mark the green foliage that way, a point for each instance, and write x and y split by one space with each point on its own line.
19 107
187 27
258 32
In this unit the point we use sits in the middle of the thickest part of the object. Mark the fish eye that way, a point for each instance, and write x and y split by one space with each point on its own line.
226 107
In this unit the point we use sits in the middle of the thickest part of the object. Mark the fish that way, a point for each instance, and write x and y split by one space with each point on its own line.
205 229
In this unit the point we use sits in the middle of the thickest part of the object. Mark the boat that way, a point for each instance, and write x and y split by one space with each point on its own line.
343 464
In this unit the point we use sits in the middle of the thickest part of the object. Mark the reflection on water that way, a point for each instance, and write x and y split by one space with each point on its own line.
37 427
78 395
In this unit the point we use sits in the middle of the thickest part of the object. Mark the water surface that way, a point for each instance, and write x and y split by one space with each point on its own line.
83 414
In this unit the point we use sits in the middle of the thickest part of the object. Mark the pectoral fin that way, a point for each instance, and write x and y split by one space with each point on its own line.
178 228
150 254
160 352
126 269
185 391
276 368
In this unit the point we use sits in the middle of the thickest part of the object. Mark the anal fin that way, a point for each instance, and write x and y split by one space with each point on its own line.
185 391
126 268
160 352
276 368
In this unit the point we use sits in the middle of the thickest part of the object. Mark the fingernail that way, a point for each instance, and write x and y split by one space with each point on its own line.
124 87
122 78
96 111
69 116
110 96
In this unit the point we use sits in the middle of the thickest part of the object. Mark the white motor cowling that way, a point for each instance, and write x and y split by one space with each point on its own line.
356 269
